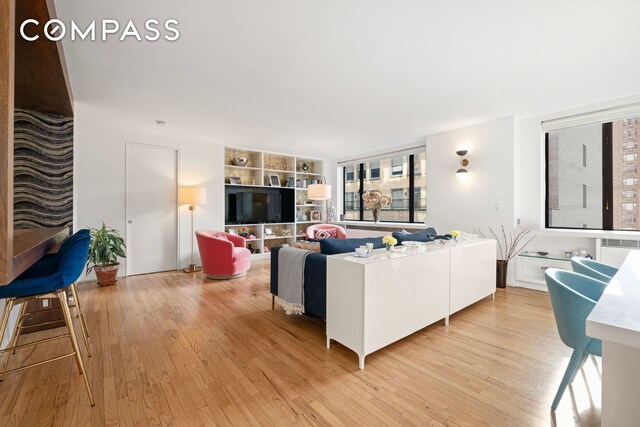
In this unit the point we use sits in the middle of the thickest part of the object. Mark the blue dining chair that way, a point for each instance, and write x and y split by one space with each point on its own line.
573 296
594 269
20 291
48 265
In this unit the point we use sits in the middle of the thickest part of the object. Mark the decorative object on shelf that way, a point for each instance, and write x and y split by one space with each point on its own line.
290 182
106 246
192 196
235 180
389 242
274 181
315 215
233 231
455 234
243 232
251 237
509 245
332 213
304 167
462 173
286 232
375 200
265 249
542 253
240 161
268 231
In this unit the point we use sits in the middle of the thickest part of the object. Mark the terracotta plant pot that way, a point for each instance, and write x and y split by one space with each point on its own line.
107 274
501 273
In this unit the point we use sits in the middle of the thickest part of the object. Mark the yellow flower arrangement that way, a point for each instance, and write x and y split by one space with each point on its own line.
389 240
454 233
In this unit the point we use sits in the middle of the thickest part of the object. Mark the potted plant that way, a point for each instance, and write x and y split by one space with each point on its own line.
106 246
509 245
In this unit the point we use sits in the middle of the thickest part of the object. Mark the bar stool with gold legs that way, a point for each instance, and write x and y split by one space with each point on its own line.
47 265
20 291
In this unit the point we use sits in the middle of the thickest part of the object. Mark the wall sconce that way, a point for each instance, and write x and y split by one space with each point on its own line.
462 173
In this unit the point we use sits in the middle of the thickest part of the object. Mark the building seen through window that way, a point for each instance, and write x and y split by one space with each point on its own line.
392 176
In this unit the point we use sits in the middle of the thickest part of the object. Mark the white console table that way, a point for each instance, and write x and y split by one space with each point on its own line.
616 321
373 302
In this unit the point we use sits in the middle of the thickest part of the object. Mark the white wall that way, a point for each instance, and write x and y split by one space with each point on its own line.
99 178
471 204
99 171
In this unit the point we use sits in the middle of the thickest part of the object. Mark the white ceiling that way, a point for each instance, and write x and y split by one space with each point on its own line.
337 77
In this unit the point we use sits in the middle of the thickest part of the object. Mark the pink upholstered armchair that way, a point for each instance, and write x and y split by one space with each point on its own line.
340 232
223 255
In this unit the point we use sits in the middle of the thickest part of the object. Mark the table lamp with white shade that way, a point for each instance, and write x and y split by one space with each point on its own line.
192 196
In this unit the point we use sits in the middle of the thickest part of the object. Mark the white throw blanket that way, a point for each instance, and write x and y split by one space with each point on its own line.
291 279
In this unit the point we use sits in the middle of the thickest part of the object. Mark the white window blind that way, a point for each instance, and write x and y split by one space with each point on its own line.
385 155
601 116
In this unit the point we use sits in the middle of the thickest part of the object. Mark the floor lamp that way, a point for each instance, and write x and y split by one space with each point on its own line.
320 191
192 196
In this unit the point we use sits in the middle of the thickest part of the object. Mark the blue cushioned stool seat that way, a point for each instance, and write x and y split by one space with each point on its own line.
50 262
70 265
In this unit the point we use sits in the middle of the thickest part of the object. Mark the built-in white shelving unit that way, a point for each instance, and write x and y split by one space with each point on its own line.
292 172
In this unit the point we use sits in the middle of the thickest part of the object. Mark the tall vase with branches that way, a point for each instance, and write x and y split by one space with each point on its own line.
509 245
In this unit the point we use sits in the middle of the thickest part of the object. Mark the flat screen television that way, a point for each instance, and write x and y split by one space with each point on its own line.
254 208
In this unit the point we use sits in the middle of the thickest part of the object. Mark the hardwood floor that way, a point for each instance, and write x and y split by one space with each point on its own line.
173 348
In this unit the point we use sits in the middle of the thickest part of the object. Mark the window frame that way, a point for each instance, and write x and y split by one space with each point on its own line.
607 183
359 169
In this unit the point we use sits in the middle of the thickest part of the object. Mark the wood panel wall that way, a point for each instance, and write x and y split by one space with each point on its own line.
40 88
40 73
7 60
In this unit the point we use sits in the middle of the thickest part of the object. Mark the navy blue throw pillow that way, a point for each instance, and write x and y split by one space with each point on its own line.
425 235
341 246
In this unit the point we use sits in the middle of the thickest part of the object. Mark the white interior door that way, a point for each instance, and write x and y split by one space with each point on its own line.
151 209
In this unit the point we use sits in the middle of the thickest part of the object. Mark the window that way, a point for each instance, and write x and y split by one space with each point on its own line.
397 166
348 201
600 193
374 168
397 199
362 174
418 198
400 177
348 173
